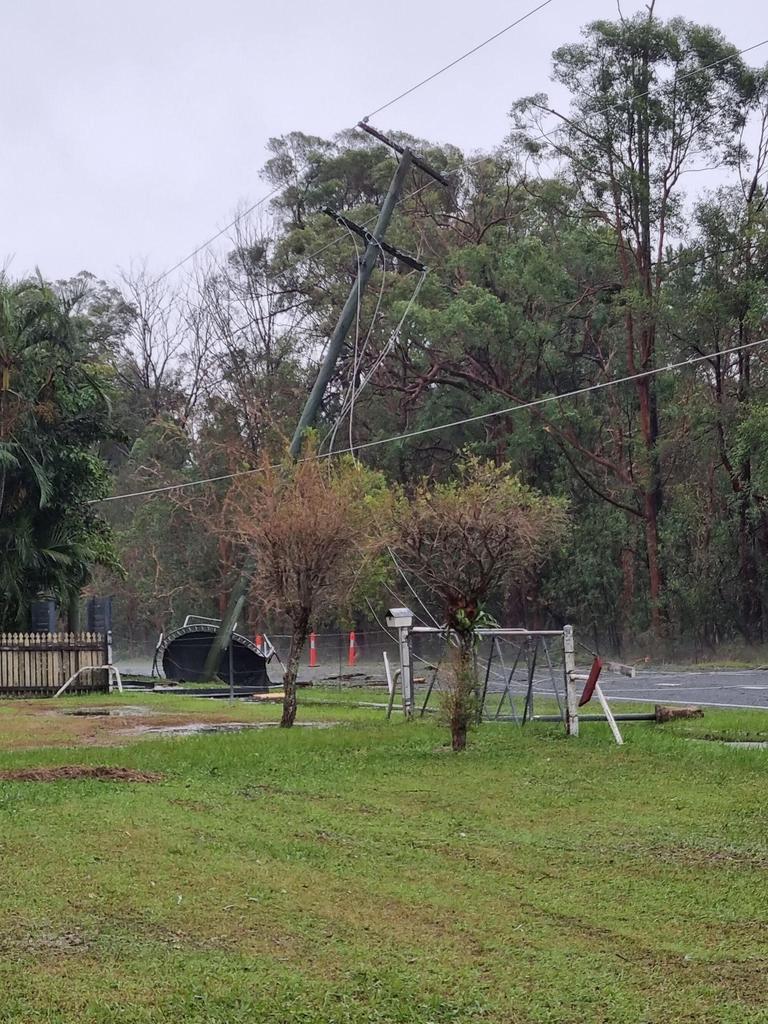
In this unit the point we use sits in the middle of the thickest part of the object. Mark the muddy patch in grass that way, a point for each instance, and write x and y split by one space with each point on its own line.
70 772
30 725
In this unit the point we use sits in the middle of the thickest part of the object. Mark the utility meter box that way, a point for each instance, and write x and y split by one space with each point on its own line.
43 614
99 614
400 618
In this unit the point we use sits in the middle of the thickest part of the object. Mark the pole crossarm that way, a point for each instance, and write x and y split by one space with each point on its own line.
417 161
368 262
366 235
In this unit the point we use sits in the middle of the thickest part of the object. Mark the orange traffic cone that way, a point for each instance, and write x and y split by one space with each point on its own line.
352 656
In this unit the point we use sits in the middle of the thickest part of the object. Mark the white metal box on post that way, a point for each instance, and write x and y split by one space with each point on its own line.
401 619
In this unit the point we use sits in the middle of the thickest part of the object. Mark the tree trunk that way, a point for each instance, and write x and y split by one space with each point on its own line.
751 548
223 596
652 500
460 700
646 387
298 641
458 737
73 612
655 578
627 598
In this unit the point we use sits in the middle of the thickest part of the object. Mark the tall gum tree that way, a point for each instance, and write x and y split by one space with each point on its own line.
650 101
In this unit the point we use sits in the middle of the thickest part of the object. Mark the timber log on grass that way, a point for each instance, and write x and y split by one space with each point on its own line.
667 714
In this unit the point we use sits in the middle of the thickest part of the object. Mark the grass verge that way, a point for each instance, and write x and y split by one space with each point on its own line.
363 874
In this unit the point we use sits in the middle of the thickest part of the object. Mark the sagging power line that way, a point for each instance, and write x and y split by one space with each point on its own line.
438 427
265 199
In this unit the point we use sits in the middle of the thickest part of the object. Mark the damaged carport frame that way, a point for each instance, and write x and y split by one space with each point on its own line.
529 645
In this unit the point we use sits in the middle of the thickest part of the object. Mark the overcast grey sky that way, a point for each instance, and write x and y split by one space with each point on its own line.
131 129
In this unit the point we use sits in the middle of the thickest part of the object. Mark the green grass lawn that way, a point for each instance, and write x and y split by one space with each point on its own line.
361 873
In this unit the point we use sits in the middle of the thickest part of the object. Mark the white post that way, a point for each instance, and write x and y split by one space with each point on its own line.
406 670
118 678
571 700
388 670
609 715
108 652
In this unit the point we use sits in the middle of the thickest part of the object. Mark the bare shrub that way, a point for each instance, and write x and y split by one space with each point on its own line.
466 540
309 529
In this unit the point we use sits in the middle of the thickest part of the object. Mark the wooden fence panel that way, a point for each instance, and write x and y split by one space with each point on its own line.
37 664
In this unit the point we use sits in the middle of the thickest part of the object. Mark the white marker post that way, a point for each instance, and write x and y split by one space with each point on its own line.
571 699
609 715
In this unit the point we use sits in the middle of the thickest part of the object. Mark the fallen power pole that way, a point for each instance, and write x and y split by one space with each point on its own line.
374 245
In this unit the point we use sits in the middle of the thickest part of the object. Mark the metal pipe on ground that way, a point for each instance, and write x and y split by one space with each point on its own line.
629 717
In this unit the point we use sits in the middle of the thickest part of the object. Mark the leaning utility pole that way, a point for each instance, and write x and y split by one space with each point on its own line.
375 244
347 317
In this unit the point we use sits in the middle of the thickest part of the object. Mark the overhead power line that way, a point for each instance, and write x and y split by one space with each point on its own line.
508 410
547 399
603 110
213 238
458 60
411 195
544 135
356 390
260 202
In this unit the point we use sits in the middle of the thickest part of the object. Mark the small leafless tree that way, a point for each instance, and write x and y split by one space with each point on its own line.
168 356
259 327
467 540
155 338
308 528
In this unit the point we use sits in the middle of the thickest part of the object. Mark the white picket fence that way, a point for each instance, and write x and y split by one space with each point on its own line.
37 664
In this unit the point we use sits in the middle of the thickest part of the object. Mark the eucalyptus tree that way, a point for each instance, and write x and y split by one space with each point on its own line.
650 102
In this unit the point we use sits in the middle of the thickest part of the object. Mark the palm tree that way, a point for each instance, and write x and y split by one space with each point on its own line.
52 410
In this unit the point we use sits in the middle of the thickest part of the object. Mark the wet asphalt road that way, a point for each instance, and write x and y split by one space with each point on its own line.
726 689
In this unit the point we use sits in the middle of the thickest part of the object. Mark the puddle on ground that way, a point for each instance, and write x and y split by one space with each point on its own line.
118 711
201 728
